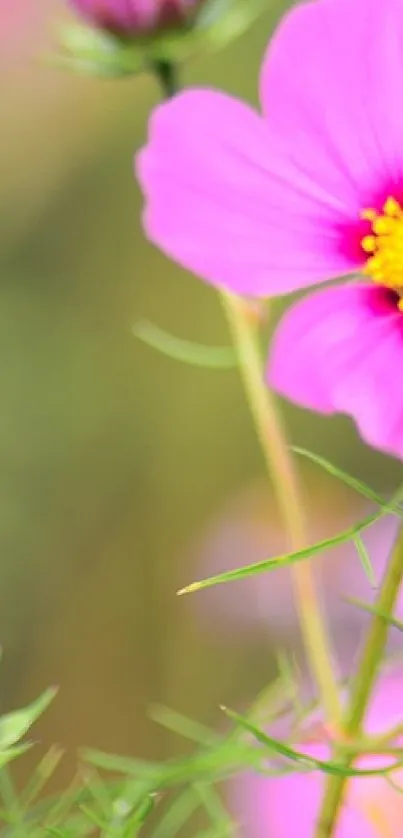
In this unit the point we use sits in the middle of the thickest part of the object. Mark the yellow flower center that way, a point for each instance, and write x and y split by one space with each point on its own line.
384 246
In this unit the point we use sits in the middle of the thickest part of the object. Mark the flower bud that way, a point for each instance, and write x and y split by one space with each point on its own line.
117 38
134 17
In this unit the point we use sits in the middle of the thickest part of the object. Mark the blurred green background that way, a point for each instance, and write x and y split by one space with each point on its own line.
114 459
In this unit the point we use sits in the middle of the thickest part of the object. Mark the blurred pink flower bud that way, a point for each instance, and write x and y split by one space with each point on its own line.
131 17
372 807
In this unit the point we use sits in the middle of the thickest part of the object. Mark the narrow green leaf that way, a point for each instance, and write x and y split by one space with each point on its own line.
350 481
98 790
214 806
93 816
304 759
13 726
12 753
281 561
214 357
42 774
60 807
290 682
372 609
144 809
121 764
180 724
9 795
177 815
365 561
202 765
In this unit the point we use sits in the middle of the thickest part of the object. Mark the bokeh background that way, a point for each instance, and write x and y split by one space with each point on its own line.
123 474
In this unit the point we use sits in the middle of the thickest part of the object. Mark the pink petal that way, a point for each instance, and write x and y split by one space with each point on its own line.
340 350
227 203
371 808
331 87
267 810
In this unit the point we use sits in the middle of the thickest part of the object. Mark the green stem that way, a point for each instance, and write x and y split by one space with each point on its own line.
281 468
166 74
362 686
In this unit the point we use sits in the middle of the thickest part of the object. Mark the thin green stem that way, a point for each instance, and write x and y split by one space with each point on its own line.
166 74
362 686
281 468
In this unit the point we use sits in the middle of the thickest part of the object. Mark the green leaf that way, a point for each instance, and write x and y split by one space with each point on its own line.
120 764
283 560
143 810
13 726
93 816
180 724
221 21
372 609
214 357
290 680
214 807
12 753
42 774
91 51
305 760
203 765
365 561
350 481
177 815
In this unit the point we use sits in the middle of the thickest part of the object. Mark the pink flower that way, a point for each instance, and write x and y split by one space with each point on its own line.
280 807
340 350
309 190
133 16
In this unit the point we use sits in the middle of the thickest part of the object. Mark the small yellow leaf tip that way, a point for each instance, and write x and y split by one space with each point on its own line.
189 589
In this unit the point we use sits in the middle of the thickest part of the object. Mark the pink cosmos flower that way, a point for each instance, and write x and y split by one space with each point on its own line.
309 190
281 807
133 16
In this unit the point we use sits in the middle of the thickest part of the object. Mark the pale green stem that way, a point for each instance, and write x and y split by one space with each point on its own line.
362 687
281 468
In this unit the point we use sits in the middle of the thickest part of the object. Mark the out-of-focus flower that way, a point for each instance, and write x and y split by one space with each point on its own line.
308 191
132 17
371 808
249 530
125 37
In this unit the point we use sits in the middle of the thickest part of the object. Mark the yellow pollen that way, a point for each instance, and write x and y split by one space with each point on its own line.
384 246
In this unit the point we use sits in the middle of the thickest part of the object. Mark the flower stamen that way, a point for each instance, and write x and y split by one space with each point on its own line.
384 246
